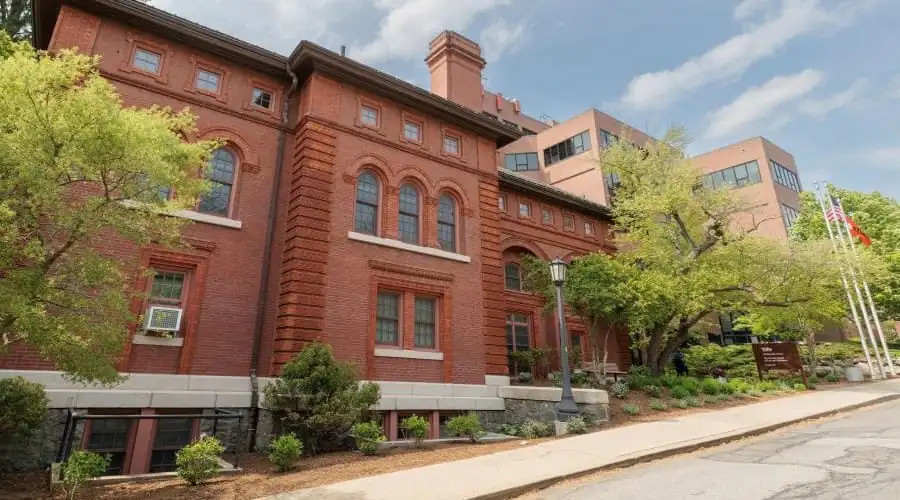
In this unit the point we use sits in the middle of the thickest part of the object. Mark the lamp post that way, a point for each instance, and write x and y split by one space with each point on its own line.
566 407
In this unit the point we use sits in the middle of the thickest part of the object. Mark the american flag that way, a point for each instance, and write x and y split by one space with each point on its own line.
835 212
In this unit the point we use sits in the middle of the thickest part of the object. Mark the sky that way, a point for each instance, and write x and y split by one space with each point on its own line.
819 78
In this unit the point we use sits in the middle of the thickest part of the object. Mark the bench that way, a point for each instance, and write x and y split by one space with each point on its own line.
611 369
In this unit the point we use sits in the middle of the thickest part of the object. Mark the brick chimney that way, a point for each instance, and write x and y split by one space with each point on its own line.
455 63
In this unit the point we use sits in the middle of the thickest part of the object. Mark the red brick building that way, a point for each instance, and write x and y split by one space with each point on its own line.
349 207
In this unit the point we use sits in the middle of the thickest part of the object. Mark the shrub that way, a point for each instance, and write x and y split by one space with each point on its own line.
581 379
766 386
576 425
754 393
466 426
799 387
691 384
416 427
832 378
653 390
510 429
285 451
638 381
320 399
198 462
669 380
724 388
589 418
525 377
522 360
23 407
658 405
679 392
723 396
81 467
738 385
681 404
368 436
631 409
533 429
710 386
556 379
620 390
693 401
639 370
737 360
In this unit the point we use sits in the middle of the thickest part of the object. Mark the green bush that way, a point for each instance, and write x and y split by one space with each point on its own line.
694 401
511 429
681 404
738 385
832 378
581 379
466 426
319 399
710 386
576 425
639 370
23 407
525 377
556 379
631 409
766 386
658 405
799 387
736 360
531 429
368 436
589 418
669 380
620 390
81 467
754 393
416 427
653 390
692 384
522 360
638 381
198 462
679 392
285 451
723 396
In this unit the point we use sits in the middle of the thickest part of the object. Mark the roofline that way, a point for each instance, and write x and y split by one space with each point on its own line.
306 56
522 183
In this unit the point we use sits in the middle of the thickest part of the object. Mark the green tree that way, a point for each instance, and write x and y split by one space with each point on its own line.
691 251
76 170
15 18
877 215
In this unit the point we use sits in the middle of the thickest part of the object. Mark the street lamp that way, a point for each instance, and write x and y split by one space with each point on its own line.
566 408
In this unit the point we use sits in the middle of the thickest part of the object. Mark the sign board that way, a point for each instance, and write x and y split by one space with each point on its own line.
778 356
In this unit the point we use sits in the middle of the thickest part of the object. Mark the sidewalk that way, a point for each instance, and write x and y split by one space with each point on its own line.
501 475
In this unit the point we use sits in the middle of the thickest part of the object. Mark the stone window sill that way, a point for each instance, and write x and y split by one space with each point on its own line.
140 338
215 220
386 352
385 242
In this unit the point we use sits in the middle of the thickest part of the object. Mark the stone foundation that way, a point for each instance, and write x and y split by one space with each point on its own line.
39 450
539 403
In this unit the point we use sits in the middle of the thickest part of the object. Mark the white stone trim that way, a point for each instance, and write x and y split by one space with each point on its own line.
400 245
384 352
553 394
207 218
496 380
140 338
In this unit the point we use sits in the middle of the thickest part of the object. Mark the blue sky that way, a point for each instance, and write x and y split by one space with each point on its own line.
820 78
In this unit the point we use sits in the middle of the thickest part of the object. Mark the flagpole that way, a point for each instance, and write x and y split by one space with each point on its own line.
884 346
855 281
850 301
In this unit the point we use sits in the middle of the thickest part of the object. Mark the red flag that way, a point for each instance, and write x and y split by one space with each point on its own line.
856 232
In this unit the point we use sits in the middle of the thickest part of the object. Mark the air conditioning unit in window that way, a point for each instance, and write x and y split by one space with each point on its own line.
163 319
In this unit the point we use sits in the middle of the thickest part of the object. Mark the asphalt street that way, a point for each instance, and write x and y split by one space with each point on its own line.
852 456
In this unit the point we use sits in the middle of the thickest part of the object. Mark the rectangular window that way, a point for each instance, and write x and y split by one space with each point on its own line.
607 139
513 275
785 176
568 222
387 319
424 335
518 336
167 288
172 434
790 215
412 131
208 81
110 437
501 203
262 98
612 182
368 116
524 209
738 176
146 61
451 145
522 162
511 124
588 228
547 215
569 147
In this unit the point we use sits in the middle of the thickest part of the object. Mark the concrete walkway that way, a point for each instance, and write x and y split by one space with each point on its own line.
505 474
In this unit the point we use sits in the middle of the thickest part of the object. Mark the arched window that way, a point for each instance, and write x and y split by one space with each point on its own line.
447 222
513 276
366 214
408 222
220 174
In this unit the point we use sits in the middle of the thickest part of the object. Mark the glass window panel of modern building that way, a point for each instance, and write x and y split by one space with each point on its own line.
522 162
786 177
790 215
738 176
567 148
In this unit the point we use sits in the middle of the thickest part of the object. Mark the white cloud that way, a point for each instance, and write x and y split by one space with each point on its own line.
409 25
500 38
818 108
732 57
748 8
885 158
762 103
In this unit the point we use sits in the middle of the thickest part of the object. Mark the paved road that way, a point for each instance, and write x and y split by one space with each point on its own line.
855 456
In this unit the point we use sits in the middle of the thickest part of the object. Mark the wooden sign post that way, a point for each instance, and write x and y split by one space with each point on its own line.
779 356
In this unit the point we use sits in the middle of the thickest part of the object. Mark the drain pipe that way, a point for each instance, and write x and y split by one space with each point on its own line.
262 301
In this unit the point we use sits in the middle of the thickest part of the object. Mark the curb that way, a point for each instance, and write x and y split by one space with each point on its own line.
675 450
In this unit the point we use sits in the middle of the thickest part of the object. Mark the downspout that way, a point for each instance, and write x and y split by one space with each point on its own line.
262 301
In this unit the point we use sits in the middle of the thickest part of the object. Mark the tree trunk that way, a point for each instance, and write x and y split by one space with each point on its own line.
813 360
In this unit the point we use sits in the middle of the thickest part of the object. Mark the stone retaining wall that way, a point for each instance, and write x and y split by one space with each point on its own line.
539 403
